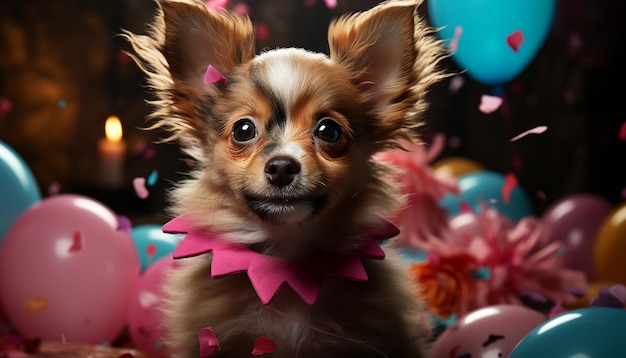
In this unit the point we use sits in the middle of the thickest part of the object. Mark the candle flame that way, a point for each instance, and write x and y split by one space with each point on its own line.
113 129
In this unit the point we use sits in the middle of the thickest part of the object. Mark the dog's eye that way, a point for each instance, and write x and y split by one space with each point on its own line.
328 130
244 130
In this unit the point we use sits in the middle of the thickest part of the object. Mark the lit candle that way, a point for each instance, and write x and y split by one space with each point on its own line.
111 152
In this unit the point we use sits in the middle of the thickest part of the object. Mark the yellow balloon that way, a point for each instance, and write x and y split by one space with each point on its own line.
610 247
456 166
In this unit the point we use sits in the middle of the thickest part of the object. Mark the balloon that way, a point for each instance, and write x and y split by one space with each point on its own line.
67 272
18 187
486 188
145 320
482 28
152 243
610 247
491 331
587 332
575 220
456 166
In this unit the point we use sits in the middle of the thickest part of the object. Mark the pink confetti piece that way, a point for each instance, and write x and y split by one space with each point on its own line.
536 130
510 182
622 132
139 184
216 4
455 84
208 342
54 188
262 31
309 3
147 299
263 345
331 4
6 105
77 242
212 75
454 41
489 104
242 9
515 40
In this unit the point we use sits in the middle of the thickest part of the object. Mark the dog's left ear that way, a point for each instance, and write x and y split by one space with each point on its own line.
392 57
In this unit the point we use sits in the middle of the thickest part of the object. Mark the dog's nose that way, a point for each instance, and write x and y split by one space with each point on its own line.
281 171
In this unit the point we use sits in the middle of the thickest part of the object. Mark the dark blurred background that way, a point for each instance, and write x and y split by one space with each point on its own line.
62 73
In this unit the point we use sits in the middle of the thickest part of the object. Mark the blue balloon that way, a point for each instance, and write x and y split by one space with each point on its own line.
484 25
485 188
18 187
152 243
594 332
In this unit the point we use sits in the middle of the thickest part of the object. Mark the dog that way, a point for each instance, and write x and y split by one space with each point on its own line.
287 250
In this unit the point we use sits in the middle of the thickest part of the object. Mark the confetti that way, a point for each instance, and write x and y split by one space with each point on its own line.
242 9
536 130
54 188
489 104
515 40
77 242
152 178
212 75
622 132
208 342
6 105
331 4
216 4
139 184
151 250
309 3
62 103
263 345
124 223
510 182
454 42
36 304
455 84
262 31
147 299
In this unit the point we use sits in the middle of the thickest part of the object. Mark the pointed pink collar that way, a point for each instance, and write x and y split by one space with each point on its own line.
267 274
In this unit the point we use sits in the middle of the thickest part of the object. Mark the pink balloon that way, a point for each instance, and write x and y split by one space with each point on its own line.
492 331
575 220
145 319
67 272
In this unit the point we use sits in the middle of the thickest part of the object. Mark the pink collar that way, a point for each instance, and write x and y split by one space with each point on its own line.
267 274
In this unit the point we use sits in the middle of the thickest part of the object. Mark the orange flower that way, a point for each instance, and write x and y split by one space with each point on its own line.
445 282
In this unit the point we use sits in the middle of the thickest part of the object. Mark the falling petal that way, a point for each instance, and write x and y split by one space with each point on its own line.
536 130
263 345
212 75
515 40
489 104
139 184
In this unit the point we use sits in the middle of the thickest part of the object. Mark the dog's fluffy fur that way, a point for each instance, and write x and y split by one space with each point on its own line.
283 163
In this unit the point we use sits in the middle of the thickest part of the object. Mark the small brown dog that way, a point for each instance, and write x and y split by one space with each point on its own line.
285 202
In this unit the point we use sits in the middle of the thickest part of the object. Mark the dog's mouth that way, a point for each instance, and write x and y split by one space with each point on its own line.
286 209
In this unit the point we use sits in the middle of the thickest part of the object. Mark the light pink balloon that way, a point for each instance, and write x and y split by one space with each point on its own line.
575 220
66 272
491 331
145 319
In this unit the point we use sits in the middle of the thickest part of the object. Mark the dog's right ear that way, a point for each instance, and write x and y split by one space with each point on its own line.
184 39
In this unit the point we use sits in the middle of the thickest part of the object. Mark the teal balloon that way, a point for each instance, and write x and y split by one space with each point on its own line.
482 47
595 332
485 187
18 187
152 243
